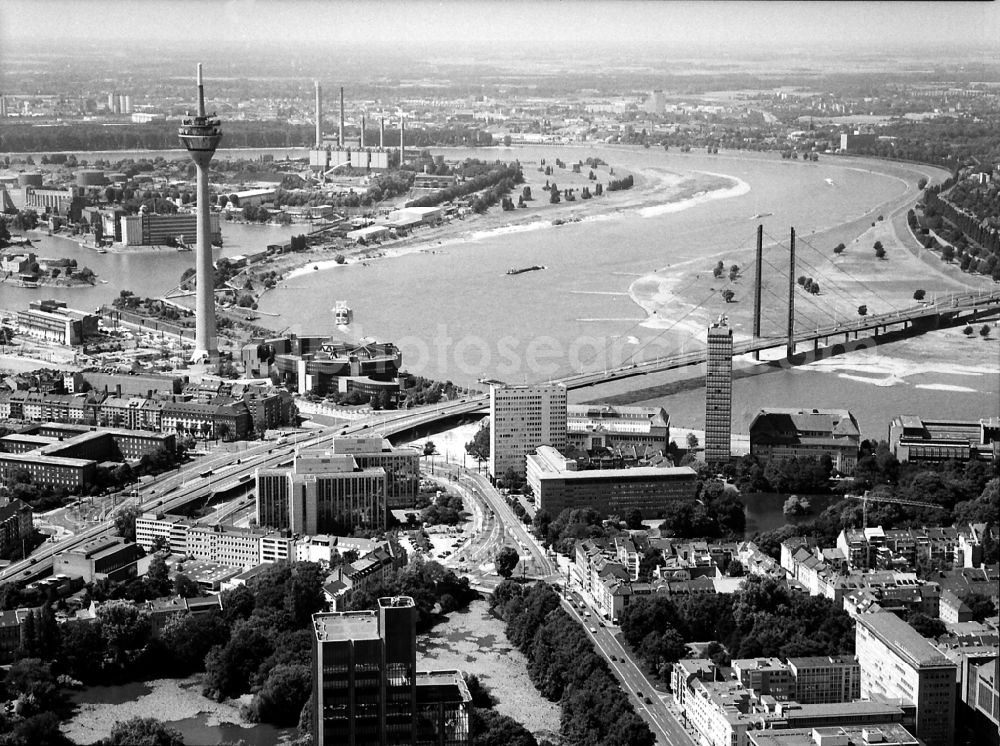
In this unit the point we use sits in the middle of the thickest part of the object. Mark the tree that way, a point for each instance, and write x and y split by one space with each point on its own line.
795 506
968 331
839 249
919 294
634 519
506 560
185 587
157 578
286 689
926 626
862 310
921 183
692 441
125 628
32 680
429 448
143 732
984 331
125 521
728 295
479 446
980 605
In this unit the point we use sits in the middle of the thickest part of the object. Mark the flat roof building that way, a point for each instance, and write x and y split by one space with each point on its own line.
557 485
322 492
913 438
896 662
522 418
402 466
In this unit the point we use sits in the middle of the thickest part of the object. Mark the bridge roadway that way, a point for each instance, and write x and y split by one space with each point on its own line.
949 307
171 490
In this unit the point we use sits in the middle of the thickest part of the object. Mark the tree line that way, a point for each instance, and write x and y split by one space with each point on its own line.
565 668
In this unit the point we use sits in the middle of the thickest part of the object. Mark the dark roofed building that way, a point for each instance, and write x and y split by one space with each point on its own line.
913 438
787 432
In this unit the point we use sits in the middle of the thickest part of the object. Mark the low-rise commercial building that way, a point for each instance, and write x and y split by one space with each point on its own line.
557 485
921 440
52 321
110 557
868 735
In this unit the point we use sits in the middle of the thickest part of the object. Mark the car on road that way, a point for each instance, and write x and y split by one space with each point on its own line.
649 701
614 658
594 630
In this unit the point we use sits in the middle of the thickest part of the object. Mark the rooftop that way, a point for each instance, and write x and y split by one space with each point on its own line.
903 639
349 625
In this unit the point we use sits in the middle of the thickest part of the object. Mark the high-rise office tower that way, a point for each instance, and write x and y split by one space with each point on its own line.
719 393
200 135
367 691
522 418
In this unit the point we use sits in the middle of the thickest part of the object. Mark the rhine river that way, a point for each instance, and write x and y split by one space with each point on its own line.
456 315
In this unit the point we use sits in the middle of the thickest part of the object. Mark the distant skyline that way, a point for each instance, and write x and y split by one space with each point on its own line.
728 28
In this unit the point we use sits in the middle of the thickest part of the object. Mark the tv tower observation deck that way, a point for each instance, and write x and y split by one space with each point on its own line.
201 135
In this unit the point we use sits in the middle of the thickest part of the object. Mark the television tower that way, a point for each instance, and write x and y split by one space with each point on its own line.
200 135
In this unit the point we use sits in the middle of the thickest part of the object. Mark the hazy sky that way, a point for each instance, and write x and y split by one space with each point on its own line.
673 25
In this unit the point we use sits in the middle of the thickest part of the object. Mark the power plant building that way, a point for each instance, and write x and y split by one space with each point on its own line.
322 493
366 687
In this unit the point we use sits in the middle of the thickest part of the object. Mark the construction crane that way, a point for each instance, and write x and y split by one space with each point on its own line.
881 497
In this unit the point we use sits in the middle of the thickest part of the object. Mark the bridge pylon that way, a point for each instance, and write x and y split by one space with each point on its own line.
790 349
756 286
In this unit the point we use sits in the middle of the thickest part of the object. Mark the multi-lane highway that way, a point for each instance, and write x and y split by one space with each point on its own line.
649 702
171 490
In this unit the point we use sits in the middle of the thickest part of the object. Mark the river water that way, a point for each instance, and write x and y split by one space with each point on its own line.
456 315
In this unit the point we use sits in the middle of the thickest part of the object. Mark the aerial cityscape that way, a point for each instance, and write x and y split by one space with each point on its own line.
484 374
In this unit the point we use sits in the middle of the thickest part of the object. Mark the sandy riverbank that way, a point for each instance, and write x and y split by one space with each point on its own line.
655 189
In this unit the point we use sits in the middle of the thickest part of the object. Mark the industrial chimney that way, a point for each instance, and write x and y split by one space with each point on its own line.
319 117
381 134
341 116
362 131
402 134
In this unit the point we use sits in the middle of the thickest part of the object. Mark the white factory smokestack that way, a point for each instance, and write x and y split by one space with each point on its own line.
402 135
362 131
319 116
381 134
341 116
